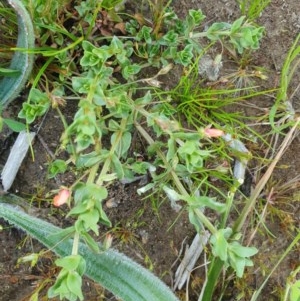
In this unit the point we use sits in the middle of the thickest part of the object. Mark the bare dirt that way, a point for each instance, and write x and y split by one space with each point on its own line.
149 230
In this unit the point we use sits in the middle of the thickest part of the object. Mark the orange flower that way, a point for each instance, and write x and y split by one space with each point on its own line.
213 133
62 197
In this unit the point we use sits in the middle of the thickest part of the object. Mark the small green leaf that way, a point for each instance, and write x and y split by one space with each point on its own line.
242 251
90 219
90 242
205 201
117 165
140 167
74 283
146 99
70 263
169 39
238 264
194 18
37 105
236 25
89 191
185 56
219 243
195 220
214 32
88 160
130 70
56 167
81 207
14 125
110 4
295 291
103 217
123 144
145 34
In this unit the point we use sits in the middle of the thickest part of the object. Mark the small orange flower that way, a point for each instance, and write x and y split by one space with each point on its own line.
61 198
213 133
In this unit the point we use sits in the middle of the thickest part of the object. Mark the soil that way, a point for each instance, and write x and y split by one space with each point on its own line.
149 230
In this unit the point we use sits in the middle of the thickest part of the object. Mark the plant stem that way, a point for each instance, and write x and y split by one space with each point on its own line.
75 243
107 162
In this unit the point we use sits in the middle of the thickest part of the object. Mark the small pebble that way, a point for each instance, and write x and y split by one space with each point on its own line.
112 203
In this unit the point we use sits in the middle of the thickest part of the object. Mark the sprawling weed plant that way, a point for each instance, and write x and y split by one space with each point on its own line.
106 74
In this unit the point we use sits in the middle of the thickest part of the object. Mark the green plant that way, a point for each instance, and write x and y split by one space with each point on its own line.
99 141
282 110
253 8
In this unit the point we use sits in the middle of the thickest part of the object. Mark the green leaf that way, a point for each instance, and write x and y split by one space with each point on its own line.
145 34
14 125
185 56
242 251
116 46
88 160
219 243
195 220
140 167
130 70
295 291
82 84
146 99
90 242
194 18
197 16
123 144
110 4
117 165
70 263
81 207
169 39
103 217
205 201
56 167
36 106
103 53
74 283
89 191
236 25
90 219
215 30
238 264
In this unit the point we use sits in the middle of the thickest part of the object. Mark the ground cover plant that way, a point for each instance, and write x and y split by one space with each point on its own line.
112 64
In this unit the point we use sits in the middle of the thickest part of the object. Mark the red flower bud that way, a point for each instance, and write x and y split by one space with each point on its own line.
61 198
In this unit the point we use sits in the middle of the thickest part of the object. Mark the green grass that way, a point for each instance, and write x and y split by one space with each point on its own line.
253 9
